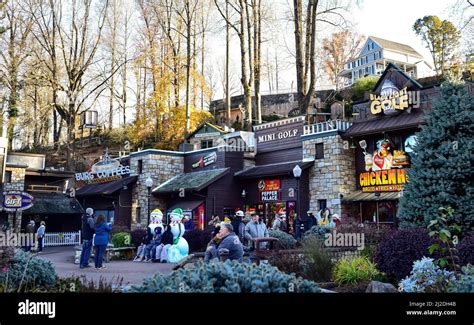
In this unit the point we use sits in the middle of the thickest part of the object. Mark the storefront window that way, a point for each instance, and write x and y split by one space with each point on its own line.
369 211
108 214
387 211
409 145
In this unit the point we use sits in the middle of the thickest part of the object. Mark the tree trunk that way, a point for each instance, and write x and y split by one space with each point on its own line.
227 64
256 6
298 20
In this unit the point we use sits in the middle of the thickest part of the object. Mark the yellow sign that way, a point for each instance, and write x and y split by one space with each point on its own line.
396 100
383 180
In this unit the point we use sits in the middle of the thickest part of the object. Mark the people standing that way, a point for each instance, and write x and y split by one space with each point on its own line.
188 223
310 220
255 229
298 226
101 240
87 235
237 221
30 230
283 224
40 235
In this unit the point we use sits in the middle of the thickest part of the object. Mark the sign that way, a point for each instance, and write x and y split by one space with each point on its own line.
106 170
390 101
269 185
17 201
384 170
205 160
269 196
278 135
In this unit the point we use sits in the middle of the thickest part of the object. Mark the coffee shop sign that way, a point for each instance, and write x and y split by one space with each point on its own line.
278 135
103 171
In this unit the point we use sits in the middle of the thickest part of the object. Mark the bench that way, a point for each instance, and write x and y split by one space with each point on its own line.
111 253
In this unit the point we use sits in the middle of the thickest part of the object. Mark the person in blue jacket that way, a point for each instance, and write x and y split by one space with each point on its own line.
101 240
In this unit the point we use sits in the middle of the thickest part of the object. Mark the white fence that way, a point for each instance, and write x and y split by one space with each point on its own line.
335 125
62 238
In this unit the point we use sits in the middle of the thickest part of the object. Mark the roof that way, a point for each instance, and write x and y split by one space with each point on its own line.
191 181
105 188
399 47
386 123
285 168
54 203
207 124
186 205
393 68
370 196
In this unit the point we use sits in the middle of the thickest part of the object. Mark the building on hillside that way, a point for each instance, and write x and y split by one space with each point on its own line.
375 56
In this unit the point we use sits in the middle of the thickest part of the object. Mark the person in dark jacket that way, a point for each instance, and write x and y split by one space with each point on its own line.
239 215
87 235
30 230
101 240
188 223
310 221
141 250
230 247
211 250
161 253
298 227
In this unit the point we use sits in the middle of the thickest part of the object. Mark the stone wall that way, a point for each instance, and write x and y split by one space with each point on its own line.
160 167
332 175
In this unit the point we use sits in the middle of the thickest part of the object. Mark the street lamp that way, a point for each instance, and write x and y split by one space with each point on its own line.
149 184
297 174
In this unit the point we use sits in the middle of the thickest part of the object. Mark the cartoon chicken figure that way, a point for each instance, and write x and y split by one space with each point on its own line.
382 156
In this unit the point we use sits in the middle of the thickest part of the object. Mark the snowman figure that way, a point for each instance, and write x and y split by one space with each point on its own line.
156 220
180 247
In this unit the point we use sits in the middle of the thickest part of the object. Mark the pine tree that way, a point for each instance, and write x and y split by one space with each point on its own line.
442 172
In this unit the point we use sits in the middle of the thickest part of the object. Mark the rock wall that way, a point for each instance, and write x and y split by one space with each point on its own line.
332 175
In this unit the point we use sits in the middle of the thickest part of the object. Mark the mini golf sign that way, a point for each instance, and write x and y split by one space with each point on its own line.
17 201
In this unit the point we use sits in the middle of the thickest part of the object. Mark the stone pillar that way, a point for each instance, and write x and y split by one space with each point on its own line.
334 174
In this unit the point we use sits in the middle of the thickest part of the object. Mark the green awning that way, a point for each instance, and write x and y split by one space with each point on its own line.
191 181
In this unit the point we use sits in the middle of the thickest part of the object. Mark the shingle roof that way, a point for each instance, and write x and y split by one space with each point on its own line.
285 168
395 46
105 188
54 203
191 181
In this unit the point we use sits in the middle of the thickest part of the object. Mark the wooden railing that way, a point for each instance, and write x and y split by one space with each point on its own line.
328 126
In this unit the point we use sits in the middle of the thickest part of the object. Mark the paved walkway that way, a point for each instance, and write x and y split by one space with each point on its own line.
132 273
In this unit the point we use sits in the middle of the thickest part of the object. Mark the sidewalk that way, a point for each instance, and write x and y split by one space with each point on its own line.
132 273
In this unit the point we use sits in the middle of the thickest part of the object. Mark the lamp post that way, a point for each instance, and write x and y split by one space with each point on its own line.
297 174
149 184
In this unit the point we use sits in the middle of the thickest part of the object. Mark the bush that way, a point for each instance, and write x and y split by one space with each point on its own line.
228 276
426 276
137 236
465 283
121 239
286 241
27 272
354 270
317 264
397 252
317 231
466 249
198 239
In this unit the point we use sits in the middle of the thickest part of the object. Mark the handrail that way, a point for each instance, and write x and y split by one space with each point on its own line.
322 127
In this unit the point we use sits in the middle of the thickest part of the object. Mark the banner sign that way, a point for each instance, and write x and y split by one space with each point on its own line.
205 160
269 185
278 135
16 201
384 170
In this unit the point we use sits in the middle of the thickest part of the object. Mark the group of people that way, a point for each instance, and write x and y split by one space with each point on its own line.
154 245
234 236
95 232
40 232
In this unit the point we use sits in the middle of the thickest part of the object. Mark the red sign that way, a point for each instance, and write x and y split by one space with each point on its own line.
269 185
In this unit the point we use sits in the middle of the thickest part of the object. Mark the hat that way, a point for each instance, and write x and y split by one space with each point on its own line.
228 226
90 211
32 222
310 212
239 213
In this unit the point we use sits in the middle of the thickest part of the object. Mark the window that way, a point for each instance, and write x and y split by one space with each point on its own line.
140 166
319 151
322 204
138 212
8 176
108 214
206 144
